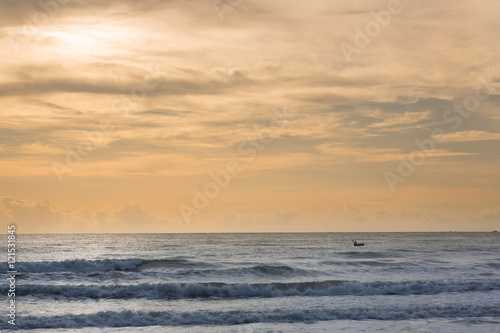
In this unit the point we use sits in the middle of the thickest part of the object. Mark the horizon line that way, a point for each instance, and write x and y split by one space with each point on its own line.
255 232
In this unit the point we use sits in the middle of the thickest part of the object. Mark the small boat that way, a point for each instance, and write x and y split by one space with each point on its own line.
355 243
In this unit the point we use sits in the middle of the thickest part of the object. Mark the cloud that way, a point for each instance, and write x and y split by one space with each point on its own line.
350 212
285 217
134 214
344 153
407 118
473 135
32 216
492 215
254 222
219 80
339 153
41 13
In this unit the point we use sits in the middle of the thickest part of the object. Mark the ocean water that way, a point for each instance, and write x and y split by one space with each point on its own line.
309 282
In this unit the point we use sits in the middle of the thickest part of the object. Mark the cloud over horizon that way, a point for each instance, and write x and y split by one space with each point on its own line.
127 102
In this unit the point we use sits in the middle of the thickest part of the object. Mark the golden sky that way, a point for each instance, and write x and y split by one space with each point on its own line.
249 115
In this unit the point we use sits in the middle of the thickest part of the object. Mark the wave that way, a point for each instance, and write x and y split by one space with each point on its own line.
179 266
78 265
82 265
273 270
257 270
245 290
189 267
172 263
368 254
371 263
290 315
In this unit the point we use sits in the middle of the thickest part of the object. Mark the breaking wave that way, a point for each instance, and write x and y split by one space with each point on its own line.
245 290
291 315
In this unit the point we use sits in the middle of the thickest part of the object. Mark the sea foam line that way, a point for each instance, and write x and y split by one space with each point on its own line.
188 267
245 290
141 318
78 265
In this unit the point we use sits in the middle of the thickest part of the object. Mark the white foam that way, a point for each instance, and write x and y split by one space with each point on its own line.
245 290
140 318
78 265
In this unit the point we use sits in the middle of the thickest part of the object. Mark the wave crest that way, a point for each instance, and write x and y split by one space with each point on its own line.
245 290
78 265
164 318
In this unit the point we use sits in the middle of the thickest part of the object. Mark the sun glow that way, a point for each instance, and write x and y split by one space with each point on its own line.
99 41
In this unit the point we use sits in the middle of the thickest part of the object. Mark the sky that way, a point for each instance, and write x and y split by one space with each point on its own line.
249 116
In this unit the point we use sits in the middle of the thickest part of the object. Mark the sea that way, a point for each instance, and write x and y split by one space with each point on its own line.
274 282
